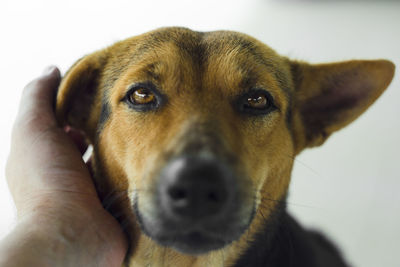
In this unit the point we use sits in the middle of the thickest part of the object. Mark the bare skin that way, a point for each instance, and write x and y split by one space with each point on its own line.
61 221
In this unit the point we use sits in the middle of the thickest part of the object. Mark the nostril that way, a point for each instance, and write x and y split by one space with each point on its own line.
177 193
213 197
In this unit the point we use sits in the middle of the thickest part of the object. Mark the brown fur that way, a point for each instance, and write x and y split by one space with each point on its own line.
202 73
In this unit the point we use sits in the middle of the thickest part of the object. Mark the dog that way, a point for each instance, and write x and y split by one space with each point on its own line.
194 136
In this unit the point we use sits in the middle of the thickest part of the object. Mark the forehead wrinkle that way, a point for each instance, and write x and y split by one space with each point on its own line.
273 68
144 72
183 39
180 49
237 73
172 69
262 54
152 70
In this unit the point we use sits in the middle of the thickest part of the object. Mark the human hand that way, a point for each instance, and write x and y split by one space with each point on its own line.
52 189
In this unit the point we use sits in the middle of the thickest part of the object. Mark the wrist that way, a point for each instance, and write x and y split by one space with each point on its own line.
35 243
26 245
62 239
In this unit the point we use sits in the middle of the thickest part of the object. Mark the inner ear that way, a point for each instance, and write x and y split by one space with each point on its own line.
78 94
330 96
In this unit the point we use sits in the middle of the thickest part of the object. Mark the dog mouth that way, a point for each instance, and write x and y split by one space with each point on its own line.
192 238
194 242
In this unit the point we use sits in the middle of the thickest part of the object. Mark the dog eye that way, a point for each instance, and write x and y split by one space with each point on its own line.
257 102
142 96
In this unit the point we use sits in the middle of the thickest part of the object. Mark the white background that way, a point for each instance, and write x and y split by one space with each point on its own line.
349 188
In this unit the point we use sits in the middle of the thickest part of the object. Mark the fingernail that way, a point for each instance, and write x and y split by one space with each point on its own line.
48 70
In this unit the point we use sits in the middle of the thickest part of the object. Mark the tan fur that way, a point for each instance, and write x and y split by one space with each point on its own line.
133 147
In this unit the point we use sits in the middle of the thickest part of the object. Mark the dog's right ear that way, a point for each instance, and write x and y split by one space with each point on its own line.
78 93
330 96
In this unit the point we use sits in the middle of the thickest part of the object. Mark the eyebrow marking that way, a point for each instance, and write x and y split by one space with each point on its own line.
150 70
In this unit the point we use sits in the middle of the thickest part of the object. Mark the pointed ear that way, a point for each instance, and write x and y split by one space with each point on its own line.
78 93
329 96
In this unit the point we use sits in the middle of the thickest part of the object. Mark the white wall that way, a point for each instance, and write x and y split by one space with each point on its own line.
349 188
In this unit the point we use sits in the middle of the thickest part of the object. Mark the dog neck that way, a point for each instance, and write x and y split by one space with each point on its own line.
283 242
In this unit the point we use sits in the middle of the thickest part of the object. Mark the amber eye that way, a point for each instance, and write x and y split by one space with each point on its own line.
258 102
255 102
142 96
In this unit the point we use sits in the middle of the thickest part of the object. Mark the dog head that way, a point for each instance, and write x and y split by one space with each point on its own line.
199 130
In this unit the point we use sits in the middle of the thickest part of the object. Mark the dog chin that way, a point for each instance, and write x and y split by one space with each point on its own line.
194 243
193 240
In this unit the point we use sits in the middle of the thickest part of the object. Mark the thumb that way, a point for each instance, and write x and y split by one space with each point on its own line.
36 109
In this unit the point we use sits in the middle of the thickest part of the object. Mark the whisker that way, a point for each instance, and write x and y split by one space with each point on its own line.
221 256
286 203
164 256
112 198
295 159
140 190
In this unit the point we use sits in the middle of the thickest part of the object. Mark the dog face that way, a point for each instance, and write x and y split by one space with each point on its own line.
198 131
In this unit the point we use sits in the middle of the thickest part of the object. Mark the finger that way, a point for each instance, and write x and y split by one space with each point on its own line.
37 101
78 138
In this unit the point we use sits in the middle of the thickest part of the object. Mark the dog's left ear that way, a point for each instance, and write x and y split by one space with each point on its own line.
329 96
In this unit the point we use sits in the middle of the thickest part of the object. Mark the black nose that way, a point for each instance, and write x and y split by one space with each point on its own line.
195 188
